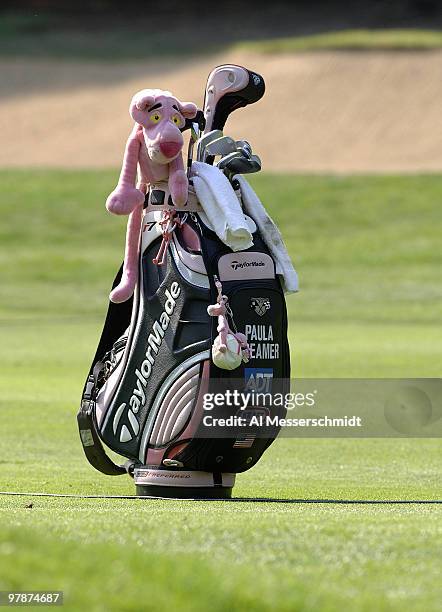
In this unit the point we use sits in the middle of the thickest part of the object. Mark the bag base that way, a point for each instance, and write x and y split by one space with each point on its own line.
182 484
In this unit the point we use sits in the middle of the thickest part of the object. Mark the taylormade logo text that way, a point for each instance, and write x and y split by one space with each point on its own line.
239 265
154 340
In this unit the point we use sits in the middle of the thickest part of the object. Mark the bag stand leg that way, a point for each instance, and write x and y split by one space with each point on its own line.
182 484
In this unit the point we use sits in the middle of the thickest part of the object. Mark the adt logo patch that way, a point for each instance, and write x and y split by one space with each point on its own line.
258 380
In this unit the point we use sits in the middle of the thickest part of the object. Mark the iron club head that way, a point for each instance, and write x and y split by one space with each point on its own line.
221 146
227 159
204 141
241 165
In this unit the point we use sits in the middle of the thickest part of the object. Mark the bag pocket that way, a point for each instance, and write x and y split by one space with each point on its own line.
259 312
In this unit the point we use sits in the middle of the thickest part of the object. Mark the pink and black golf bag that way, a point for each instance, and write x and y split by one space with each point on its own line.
144 396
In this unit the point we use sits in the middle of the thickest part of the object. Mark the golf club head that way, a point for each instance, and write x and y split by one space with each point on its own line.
204 141
221 146
245 152
245 148
241 165
229 87
227 159
243 144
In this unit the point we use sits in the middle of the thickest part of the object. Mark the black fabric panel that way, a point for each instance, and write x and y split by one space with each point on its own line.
183 338
218 454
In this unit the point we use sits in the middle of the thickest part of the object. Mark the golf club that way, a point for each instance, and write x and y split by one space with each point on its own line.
193 139
244 147
229 87
241 165
227 159
221 146
243 144
204 140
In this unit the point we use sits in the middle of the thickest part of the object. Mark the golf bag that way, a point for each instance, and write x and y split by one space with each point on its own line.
204 320
144 394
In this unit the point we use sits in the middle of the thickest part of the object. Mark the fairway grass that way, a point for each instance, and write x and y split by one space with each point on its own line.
367 250
351 40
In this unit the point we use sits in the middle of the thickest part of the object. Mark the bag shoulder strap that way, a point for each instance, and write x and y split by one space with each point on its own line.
92 446
117 319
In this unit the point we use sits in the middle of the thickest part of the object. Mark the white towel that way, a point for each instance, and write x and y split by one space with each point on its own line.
253 207
221 206
224 212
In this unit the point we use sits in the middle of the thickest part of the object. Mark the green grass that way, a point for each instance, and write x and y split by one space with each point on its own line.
109 37
368 253
115 37
351 40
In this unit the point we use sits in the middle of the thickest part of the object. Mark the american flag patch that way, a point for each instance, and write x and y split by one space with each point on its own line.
245 442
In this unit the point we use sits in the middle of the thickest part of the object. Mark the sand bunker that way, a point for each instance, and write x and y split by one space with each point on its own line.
323 112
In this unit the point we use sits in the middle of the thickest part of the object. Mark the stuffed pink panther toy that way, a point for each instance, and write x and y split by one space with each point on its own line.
220 310
154 148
